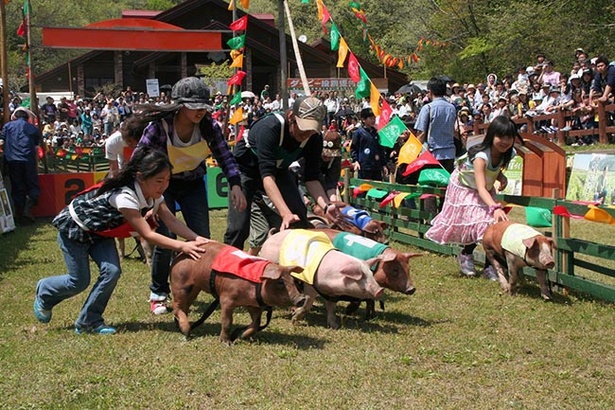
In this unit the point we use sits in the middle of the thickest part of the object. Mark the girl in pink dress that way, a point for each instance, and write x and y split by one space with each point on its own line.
469 205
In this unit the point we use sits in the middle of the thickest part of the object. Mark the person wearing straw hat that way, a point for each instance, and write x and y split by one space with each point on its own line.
264 156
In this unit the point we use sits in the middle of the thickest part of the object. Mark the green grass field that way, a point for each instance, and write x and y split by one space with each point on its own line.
456 344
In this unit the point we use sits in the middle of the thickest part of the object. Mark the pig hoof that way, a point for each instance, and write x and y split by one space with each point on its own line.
546 297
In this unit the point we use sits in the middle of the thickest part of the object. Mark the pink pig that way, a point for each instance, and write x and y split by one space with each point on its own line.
517 245
337 275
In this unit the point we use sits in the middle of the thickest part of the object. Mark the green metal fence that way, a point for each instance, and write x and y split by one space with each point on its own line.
409 224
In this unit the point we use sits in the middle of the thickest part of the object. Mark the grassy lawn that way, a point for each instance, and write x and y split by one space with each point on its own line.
456 344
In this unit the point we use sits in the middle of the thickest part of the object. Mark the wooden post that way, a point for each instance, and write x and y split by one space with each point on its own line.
3 64
602 120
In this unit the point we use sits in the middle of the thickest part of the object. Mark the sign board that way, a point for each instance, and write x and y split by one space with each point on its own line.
514 174
7 222
592 178
152 87
333 84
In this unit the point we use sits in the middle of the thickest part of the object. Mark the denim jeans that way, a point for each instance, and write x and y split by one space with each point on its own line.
238 223
53 290
192 199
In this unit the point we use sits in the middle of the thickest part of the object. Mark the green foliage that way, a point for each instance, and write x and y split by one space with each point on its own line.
215 72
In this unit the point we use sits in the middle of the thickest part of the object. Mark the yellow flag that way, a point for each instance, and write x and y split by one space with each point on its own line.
231 5
342 52
410 150
374 99
237 61
237 116
245 4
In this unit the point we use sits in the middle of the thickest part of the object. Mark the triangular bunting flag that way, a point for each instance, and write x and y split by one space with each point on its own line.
353 68
410 150
426 158
342 53
236 99
385 114
237 42
363 86
245 4
392 131
335 37
237 116
237 62
237 78
240 24
374 99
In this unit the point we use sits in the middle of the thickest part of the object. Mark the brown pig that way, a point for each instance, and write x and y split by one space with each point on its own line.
392 267
517 245
261 284
328 272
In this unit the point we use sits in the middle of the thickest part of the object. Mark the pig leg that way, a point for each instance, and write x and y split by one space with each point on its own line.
370 309
227 322
500 270
182 300
255 314
353 307
541 276
310 294
332 320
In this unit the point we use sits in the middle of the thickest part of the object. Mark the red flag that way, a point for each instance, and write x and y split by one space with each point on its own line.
385 114
326 16
237 78
240 24
353 68
21 30
426 158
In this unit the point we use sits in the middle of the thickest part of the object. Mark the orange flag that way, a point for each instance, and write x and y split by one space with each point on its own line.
231 5
237 116
410 150
245 4
342 53
237 62
374 99
320 6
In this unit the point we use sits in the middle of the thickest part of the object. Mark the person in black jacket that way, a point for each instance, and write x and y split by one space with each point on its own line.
272 144
368 156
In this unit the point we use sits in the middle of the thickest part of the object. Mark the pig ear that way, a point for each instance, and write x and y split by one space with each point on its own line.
552 242
272 271
410 255
296 269
373 262
529 242
387 257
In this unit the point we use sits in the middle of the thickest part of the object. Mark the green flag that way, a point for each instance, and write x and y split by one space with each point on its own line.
236 99
305 1
391 131
237 42
354 5
335 37
363 86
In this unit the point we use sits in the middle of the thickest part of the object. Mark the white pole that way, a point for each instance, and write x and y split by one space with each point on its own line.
306 86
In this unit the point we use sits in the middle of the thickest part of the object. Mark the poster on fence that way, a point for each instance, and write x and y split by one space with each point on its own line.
7 222
514 174
592 179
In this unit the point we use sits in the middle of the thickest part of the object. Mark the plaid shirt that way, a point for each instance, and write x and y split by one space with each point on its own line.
95 212
155 136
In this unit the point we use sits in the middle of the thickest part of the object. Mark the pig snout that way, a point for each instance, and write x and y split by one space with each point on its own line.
375 290
410 290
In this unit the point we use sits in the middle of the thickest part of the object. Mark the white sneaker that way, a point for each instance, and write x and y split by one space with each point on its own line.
466 264
158 304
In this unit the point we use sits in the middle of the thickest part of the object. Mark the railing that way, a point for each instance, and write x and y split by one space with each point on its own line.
409 224
603 129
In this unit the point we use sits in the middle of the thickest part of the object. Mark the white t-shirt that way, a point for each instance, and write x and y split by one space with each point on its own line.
114 148
133 199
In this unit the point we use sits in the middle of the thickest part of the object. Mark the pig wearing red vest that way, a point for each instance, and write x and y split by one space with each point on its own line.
238 280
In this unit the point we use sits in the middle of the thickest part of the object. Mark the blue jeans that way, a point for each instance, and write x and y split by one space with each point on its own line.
53 290
192 199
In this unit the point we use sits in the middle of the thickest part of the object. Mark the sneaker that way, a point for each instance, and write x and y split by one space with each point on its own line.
466 264
158 307
98 330
566 128
42 315
490 273
158 303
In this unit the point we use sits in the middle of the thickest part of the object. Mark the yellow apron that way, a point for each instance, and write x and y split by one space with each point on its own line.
185 158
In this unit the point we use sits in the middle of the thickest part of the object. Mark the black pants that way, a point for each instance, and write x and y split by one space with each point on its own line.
238 223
